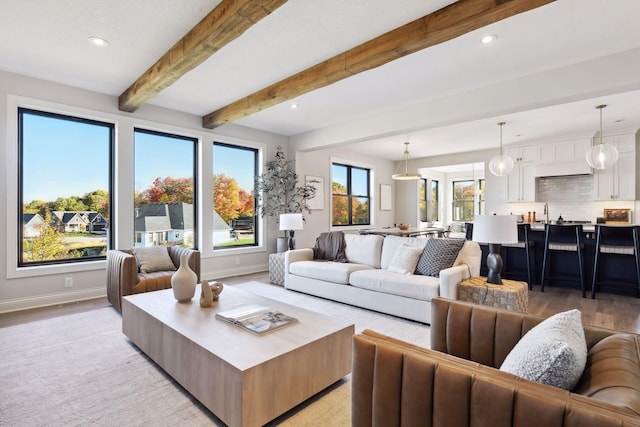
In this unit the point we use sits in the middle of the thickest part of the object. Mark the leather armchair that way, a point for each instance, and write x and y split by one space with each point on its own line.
124 276
457 383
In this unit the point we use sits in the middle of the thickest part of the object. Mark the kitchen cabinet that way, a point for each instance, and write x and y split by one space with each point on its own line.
565 151
521 184
619 181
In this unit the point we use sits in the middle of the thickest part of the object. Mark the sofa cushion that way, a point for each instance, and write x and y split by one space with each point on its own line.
153 258
364 249
329 271
554 352
437 255
405 260
470 255
391 244
612 373
407 285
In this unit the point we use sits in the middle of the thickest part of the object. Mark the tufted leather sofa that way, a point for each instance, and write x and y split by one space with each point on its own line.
457 383
124 276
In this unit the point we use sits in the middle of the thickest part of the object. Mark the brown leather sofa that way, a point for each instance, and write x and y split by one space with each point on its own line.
124 276
457 383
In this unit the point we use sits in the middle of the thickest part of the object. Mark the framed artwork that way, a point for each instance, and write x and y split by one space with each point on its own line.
617 216
317 203
385 197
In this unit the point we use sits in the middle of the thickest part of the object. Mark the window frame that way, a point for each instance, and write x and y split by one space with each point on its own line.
43 112
256 172
350 195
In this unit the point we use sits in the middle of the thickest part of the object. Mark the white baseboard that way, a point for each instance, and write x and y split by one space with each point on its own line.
18 304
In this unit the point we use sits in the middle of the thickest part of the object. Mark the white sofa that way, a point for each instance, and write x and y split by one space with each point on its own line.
364 280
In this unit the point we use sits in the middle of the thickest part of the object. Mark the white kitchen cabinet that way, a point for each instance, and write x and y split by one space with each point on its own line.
521 183
565 151
619 181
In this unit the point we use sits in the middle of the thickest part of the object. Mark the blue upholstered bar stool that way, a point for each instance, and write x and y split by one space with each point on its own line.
529 252
565 238
616 240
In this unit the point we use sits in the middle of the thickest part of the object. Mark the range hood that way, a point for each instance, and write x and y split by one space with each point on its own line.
562 169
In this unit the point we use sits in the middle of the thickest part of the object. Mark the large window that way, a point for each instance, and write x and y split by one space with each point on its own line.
466 196
234 173
350 200
64 188
428 200
165 168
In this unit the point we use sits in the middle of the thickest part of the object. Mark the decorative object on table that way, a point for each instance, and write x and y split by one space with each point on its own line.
404 226
277 190
183 281
495 230
501 164
206 295
617 216
404 166
602 155
291 222
216 290
256 318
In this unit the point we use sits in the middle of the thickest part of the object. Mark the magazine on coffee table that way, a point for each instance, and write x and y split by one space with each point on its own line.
256 318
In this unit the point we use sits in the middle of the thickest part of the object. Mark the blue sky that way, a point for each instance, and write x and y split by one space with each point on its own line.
67 158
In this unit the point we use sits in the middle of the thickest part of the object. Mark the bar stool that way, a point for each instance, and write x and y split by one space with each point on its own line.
566 238
620 240
529 251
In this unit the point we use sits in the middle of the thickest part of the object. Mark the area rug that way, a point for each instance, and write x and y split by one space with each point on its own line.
80 369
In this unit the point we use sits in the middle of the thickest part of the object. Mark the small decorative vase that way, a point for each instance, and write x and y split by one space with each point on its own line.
216 289
281 245
206 294
184 281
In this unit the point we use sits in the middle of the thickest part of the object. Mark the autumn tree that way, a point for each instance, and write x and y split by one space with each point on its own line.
97 201
247 202
226 197
339 204
167 190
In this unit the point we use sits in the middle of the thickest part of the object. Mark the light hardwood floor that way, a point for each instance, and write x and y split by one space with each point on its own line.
621 313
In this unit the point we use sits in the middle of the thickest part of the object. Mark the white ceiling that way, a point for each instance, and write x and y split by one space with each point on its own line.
367 112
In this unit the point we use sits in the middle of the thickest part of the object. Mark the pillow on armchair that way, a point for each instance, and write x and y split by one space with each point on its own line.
153 258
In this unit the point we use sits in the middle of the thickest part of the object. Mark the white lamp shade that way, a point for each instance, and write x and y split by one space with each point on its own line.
291 221
495 229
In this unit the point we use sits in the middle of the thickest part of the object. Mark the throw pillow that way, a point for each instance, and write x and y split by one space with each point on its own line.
437 255
153 258
554 352
405 259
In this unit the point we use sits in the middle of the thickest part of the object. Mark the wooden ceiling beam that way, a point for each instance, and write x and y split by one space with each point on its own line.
445 24
222 25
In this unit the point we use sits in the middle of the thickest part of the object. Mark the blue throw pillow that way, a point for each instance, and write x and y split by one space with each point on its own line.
437 255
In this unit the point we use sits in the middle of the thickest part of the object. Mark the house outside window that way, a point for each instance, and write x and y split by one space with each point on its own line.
428 199
235 169
350 198
165 206
65 188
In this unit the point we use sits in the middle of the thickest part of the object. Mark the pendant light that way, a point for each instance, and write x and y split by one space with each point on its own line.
501 164
602 156
399 174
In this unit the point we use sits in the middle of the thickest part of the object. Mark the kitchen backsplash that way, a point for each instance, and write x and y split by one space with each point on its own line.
571 197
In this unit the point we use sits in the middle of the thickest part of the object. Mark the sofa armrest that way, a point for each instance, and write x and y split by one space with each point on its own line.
295 255
122 275
450 278
393 381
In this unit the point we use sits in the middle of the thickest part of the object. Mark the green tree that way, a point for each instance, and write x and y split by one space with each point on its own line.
98 201
48 245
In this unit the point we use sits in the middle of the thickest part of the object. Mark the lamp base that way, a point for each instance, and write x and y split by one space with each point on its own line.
292 240
494 263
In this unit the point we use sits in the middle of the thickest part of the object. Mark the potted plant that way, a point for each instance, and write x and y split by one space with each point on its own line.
278 192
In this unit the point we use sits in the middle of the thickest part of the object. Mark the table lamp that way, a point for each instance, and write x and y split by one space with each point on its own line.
291 222
495 230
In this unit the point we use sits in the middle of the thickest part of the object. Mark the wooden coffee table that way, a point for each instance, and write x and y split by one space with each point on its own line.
243 378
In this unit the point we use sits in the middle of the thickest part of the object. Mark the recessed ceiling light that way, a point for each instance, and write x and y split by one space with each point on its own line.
294 106
488 38
98 41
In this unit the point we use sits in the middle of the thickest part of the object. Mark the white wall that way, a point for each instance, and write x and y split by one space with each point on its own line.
318 163
37 286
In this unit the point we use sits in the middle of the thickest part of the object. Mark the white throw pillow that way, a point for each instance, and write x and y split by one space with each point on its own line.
405 259
554 352
153 258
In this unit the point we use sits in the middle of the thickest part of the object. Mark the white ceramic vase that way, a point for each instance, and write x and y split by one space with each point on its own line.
183 281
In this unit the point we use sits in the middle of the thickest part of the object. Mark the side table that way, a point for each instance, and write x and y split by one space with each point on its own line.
276 268
511 295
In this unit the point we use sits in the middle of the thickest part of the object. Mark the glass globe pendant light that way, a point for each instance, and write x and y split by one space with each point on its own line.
501 164
602 156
